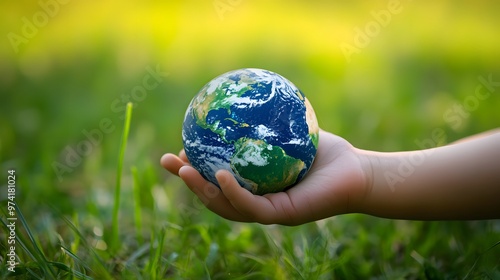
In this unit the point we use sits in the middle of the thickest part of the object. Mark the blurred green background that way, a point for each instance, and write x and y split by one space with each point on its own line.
67 66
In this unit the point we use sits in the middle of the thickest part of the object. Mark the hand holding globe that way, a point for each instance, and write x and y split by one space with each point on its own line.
251 131
250 137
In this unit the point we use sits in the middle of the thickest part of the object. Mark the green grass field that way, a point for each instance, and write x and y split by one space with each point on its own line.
91 204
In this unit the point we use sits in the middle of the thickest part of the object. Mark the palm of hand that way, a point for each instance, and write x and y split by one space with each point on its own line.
328 189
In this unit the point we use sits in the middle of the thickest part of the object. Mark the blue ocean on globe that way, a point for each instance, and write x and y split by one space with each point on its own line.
254 123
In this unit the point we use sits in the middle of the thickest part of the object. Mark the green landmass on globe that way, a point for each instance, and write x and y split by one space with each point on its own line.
257 125
257 161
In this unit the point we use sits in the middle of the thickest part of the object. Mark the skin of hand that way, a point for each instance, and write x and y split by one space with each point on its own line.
454 182
334 180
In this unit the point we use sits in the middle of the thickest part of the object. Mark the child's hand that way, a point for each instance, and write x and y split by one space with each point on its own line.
459 181
333 185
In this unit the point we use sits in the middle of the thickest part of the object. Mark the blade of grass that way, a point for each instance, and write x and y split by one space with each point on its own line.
477 259
70 271
22 244
40 257
137 254
79 261
153 268
114 227
76 242
137 206
33 275
102 267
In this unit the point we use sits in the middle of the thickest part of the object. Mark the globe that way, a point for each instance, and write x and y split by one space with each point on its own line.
255 124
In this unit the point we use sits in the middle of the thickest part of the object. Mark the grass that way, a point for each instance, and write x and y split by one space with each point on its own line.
114 213
115 238
137 206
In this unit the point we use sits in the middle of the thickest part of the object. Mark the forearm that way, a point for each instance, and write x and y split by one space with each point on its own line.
459 181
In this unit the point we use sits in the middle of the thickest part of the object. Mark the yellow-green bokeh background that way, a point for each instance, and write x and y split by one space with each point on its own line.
396 90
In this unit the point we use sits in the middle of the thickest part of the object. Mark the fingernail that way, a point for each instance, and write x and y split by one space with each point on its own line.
180 169
163 157
220 177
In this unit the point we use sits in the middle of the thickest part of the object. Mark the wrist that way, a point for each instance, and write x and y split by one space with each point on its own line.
358 199
374 165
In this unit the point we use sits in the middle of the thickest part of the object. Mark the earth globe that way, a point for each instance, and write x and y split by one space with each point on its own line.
255 124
